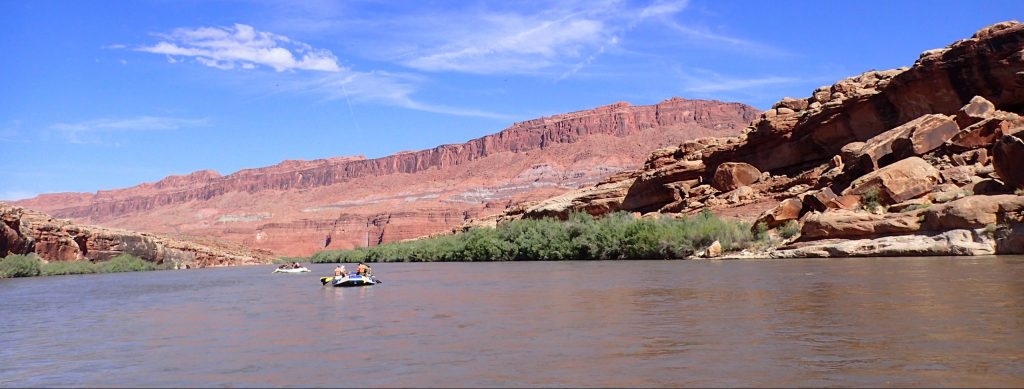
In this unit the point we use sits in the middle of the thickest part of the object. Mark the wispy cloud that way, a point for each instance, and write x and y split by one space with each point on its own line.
85 131
563 39
393 89
242 46
723 41
10 131
721 84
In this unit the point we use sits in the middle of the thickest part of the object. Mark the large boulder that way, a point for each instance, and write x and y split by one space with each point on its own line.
975 111
985 132
650 190
852 224
971 212
1011 240
732 175
1008 160
916 137
788 209
899 182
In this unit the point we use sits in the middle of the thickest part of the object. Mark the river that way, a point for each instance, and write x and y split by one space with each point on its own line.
784 323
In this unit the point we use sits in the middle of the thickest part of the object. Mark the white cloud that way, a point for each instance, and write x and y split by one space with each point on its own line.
242 46
85 131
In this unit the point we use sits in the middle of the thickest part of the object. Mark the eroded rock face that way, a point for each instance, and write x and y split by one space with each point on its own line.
898 182
1008 160
25 231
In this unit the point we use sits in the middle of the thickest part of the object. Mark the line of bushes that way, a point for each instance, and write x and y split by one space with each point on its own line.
581 237
31 266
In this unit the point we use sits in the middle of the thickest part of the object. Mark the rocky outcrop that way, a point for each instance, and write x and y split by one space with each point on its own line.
25 231
293 206
927 160
948 243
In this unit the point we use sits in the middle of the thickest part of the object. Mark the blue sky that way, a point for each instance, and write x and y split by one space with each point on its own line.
107 94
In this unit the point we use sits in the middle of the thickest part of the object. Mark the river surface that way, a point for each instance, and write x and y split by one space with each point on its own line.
785 323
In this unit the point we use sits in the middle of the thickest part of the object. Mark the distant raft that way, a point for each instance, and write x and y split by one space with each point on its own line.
292 270
350 280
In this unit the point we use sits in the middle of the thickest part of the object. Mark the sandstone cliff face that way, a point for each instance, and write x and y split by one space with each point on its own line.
292 207
24 231
901 143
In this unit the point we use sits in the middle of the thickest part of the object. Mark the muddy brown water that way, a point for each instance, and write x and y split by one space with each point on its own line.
790 323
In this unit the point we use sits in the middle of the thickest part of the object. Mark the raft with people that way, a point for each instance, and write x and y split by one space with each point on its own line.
293 267
342 278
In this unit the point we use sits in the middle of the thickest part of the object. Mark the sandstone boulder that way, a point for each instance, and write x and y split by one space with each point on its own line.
732 175
825 199
975 111
1011 241
788 209
916 137
899 182
714 250
948 243
971 212
981 134
1008 160
649 190
852 224
988 186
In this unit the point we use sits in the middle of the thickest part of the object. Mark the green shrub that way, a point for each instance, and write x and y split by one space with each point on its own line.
20 266
790 229
125 263
59 268
581 237
760 232
871 200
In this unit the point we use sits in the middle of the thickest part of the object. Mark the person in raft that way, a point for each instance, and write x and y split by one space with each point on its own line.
339 271
363 270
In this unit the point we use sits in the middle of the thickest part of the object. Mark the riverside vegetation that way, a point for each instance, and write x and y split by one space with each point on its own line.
31 265
581 237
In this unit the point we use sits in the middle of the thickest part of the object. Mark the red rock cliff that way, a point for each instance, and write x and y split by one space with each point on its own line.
292 206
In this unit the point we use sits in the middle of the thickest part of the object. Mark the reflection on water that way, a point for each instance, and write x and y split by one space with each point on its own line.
856 322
